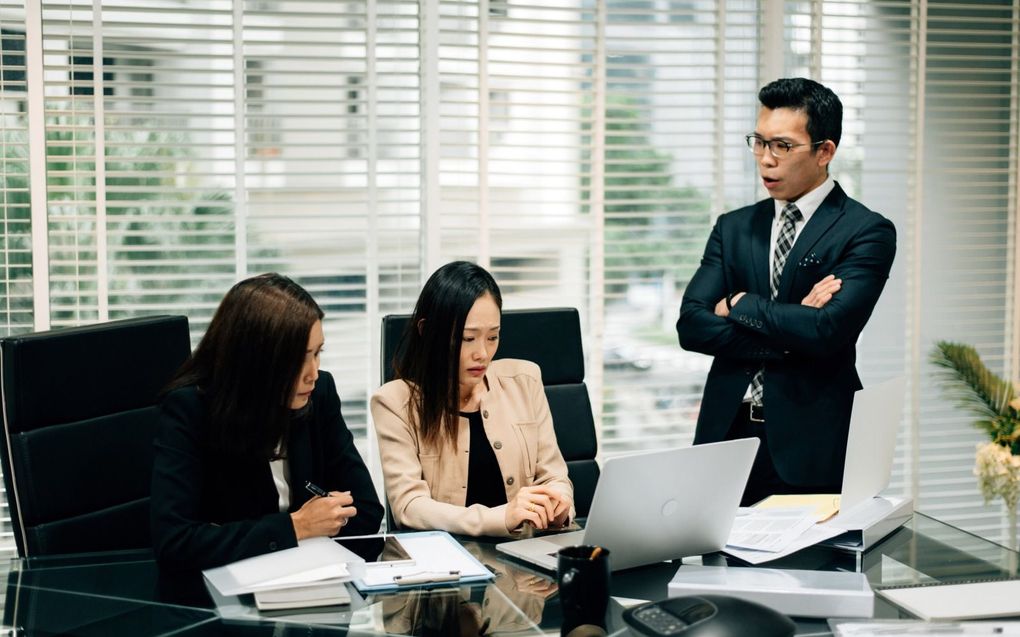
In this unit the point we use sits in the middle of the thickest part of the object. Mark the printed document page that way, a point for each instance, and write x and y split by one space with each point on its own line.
769 530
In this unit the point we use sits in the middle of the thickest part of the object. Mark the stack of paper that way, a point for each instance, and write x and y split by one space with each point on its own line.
328 593
761 534
316 563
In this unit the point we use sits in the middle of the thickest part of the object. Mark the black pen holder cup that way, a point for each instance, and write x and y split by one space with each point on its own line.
582 573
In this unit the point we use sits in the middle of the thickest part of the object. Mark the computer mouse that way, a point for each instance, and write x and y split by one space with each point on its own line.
708 616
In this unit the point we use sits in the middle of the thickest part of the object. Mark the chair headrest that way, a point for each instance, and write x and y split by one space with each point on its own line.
549 337
89 371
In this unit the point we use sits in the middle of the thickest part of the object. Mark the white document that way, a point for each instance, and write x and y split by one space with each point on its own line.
434 555
817 533
334 571
866 513
950 602
312 560
769 530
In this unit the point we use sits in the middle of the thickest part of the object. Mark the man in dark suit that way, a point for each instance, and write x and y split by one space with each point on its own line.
783 291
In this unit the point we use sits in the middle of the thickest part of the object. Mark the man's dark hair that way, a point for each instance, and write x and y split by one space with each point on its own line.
428 358
247 363
823 109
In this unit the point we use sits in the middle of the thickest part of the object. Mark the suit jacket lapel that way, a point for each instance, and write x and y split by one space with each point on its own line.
761 230
827 214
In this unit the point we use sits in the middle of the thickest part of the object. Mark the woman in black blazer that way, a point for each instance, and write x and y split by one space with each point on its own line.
245 424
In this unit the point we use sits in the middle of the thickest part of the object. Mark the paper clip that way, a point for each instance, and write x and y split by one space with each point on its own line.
426 578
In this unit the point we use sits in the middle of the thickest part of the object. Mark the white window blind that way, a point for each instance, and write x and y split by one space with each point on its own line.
15 213
16 308
516 95
680 95
149 228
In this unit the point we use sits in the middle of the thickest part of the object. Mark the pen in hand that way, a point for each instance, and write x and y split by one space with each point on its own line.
315 489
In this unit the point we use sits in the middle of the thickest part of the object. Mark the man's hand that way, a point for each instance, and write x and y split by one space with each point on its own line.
722 310
822 292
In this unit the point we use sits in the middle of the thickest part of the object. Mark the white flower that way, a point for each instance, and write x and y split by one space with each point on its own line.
998 473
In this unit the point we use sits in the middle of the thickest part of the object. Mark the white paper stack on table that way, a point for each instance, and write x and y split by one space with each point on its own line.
853 519
311 574
325 593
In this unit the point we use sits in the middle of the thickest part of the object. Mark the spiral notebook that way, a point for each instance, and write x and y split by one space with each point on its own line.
958 601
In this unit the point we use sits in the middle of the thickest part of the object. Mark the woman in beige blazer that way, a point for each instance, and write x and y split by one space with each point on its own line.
467 443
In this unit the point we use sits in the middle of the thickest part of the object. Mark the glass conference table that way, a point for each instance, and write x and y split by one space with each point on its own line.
124 593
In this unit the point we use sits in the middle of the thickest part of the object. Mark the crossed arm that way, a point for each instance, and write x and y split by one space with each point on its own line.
830 316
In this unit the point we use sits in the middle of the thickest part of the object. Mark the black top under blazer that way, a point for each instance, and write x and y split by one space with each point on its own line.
209 508
809 354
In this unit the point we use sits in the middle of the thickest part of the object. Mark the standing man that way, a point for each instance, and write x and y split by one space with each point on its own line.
783 291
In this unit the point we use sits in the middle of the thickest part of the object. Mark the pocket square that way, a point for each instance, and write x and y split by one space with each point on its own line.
810 261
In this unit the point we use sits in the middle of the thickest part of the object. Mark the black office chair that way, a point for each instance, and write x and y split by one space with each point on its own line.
550 337
79 414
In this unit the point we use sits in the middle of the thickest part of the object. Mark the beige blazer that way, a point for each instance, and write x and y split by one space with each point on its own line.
427 485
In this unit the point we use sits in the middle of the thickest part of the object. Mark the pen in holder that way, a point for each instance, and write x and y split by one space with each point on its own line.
583 574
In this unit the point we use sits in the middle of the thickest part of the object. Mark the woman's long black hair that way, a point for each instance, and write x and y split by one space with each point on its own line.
247 362
428 358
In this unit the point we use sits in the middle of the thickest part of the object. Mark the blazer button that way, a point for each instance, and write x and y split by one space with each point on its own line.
497 445
510 480
272 546
485 413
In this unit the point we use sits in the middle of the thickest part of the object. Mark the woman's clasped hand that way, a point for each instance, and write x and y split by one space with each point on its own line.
540 506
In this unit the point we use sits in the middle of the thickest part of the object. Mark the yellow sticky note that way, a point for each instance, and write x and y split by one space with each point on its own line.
825 505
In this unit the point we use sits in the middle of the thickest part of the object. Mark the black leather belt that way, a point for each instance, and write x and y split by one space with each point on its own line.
756 413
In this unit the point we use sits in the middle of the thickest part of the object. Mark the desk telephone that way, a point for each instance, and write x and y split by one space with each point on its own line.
708 616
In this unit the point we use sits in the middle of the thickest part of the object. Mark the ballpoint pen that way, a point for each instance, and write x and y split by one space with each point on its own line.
426 578
315 489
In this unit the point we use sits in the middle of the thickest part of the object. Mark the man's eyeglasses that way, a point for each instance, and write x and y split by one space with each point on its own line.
778 148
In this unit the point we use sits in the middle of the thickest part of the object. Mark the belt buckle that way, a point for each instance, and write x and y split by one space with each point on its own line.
756 413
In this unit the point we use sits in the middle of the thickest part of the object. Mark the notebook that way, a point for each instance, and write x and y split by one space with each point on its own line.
656 506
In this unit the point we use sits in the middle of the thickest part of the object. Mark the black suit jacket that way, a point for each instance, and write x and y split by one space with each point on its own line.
210 509
809 354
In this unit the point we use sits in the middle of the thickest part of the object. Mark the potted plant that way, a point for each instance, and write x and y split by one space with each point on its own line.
995 403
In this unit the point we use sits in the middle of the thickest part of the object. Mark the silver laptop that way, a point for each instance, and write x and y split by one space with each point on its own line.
656 506
871 441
